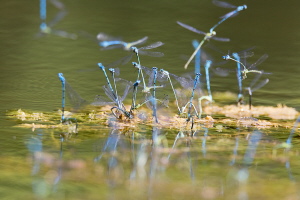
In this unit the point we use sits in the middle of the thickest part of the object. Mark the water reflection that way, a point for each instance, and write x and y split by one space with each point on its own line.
47 166
111 155
43 184
198 163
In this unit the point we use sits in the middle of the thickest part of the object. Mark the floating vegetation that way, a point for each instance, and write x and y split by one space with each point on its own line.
233 115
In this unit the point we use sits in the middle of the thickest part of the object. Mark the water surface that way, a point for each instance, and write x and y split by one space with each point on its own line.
33 164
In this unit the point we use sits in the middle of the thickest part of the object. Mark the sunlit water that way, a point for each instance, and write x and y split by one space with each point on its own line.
35 164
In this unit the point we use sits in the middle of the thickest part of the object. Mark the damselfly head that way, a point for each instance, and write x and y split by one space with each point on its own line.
112 70
43 27
213 33
164 72
227 57
61 77
136 65
249 90
134 49
243 7
101 66
241 97
135 84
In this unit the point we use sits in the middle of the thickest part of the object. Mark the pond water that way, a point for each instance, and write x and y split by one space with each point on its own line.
238 163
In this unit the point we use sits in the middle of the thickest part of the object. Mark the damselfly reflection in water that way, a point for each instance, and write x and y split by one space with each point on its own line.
253 142
110 155
46 27
114 141
289 140
204 139
287 146
235 150
243 174
159 141
35 145
183 146
48 163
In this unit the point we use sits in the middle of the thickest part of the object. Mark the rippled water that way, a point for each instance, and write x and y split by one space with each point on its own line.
29 67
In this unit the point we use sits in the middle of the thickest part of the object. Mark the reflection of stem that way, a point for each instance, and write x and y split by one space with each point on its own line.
204 142
192 174
289 140
179 135
235 150
288 167
59 175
